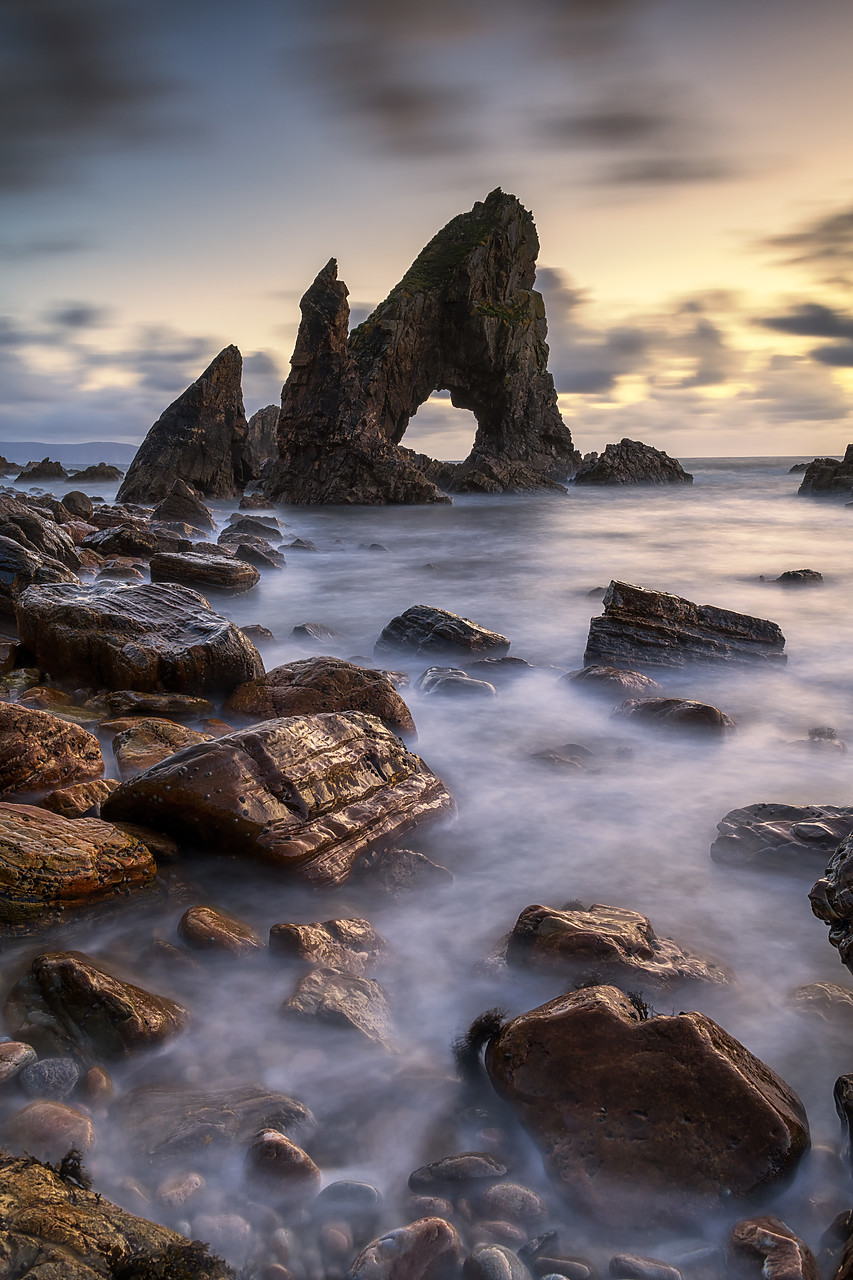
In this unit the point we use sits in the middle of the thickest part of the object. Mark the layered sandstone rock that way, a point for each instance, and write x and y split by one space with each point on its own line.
151 638
200 438
640 627
149 741
352 946
307 793
630 462
51 864
315 685
207 572
644 1118
39 751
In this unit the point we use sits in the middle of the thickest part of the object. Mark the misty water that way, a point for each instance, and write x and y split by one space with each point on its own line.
632 831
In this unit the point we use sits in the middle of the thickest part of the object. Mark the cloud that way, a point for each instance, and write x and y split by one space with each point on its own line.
841 355
812 320
669 170
42 246
825 242
79 315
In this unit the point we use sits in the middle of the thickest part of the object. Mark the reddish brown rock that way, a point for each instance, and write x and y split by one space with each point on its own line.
183 505
173 706
408 1253
211 929
353 946
288 1172
152 638
14 1056
149 741
38 751
648 1119
209 572
772 1249
341 1000
69 999
74 801
50 865
682 714
48 1130
612 681
314 685
307 793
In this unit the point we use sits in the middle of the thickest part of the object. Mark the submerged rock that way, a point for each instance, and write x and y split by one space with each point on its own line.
630 462
800 578
320 684
780 834
773 1249
53 1227
424 630
610 937
645 1119
151 638
683 714
50 865
827 477
199 438
39 751
286 1171
212 929
68 999
47 469
343 1000
46 1130
414 1252
99 471
452 682
308 793
612 681
651 628
352 946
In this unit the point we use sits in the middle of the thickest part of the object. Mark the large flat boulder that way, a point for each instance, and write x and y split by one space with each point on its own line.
780 835
307 793
68 1000
423 629
39 751
645 628
50 865
630 462
315 685
53 1227
209 572
151 638
645 1119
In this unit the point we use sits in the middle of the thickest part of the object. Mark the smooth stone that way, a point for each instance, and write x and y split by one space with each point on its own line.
494 1262
227 1233
631 1266
207 572
469 1167
212 929
408 1253
510 1200
278 1162
351 1201
780 834
344 1001
77 503
612 681
55 1078
773 1249
179 1189
684 715
451 682
48 1130
424 630
14 1056
351 946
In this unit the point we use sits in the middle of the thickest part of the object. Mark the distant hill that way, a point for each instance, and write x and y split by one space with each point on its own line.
70 455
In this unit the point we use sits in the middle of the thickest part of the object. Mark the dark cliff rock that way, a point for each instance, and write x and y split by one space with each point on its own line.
630 462
261 440
464 318
44 470
640 627
330 448
200 438
831 900
826 477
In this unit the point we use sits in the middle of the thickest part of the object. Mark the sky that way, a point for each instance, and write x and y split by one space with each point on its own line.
174 173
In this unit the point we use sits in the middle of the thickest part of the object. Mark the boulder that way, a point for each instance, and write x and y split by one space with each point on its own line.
645 1119
321 684
681 714
614 939
260 554
397 871
650 628
179 1124
182 504
630 462
99 472
268 527
766 1247
827 477
612 681
352 946
287 1173
214 572
828 1001
78 504
46 1130
152 638
466 1171
149 741
200 437
41 535
308 793
14 1056
342 1000
494 1262
56 1229
414 1252
74 801
451 682
832 900
39 751
780 835
330 449
131 539
44 470
424 630
67 999
800 578
175 706
211 929
20 568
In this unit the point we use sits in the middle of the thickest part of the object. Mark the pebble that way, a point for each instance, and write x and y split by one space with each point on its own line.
14 1056
226 1233
468 1166
510 1200
48 1130
631 1266
180 1188
54 1078
276 1159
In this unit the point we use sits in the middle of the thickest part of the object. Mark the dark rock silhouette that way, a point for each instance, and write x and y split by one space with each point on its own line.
827 476
261 440
630 462
464 318
330 449
200 438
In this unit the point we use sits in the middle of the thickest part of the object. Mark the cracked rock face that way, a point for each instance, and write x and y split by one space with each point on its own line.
464 318
200 438
826 477
630 462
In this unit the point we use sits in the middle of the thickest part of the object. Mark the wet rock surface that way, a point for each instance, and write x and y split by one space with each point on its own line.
183 504
773 1249
780 834
650 1118
20 568
651 628
613 938
799 578
208 572
50 865
425 630
38 751
612 681
829 477
150 741
630 462
54 1228
69 1000
682 714
322 684
408 1253
212 929
200 437
832 900
307 793
345 1001
452 682
151 638
352 946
